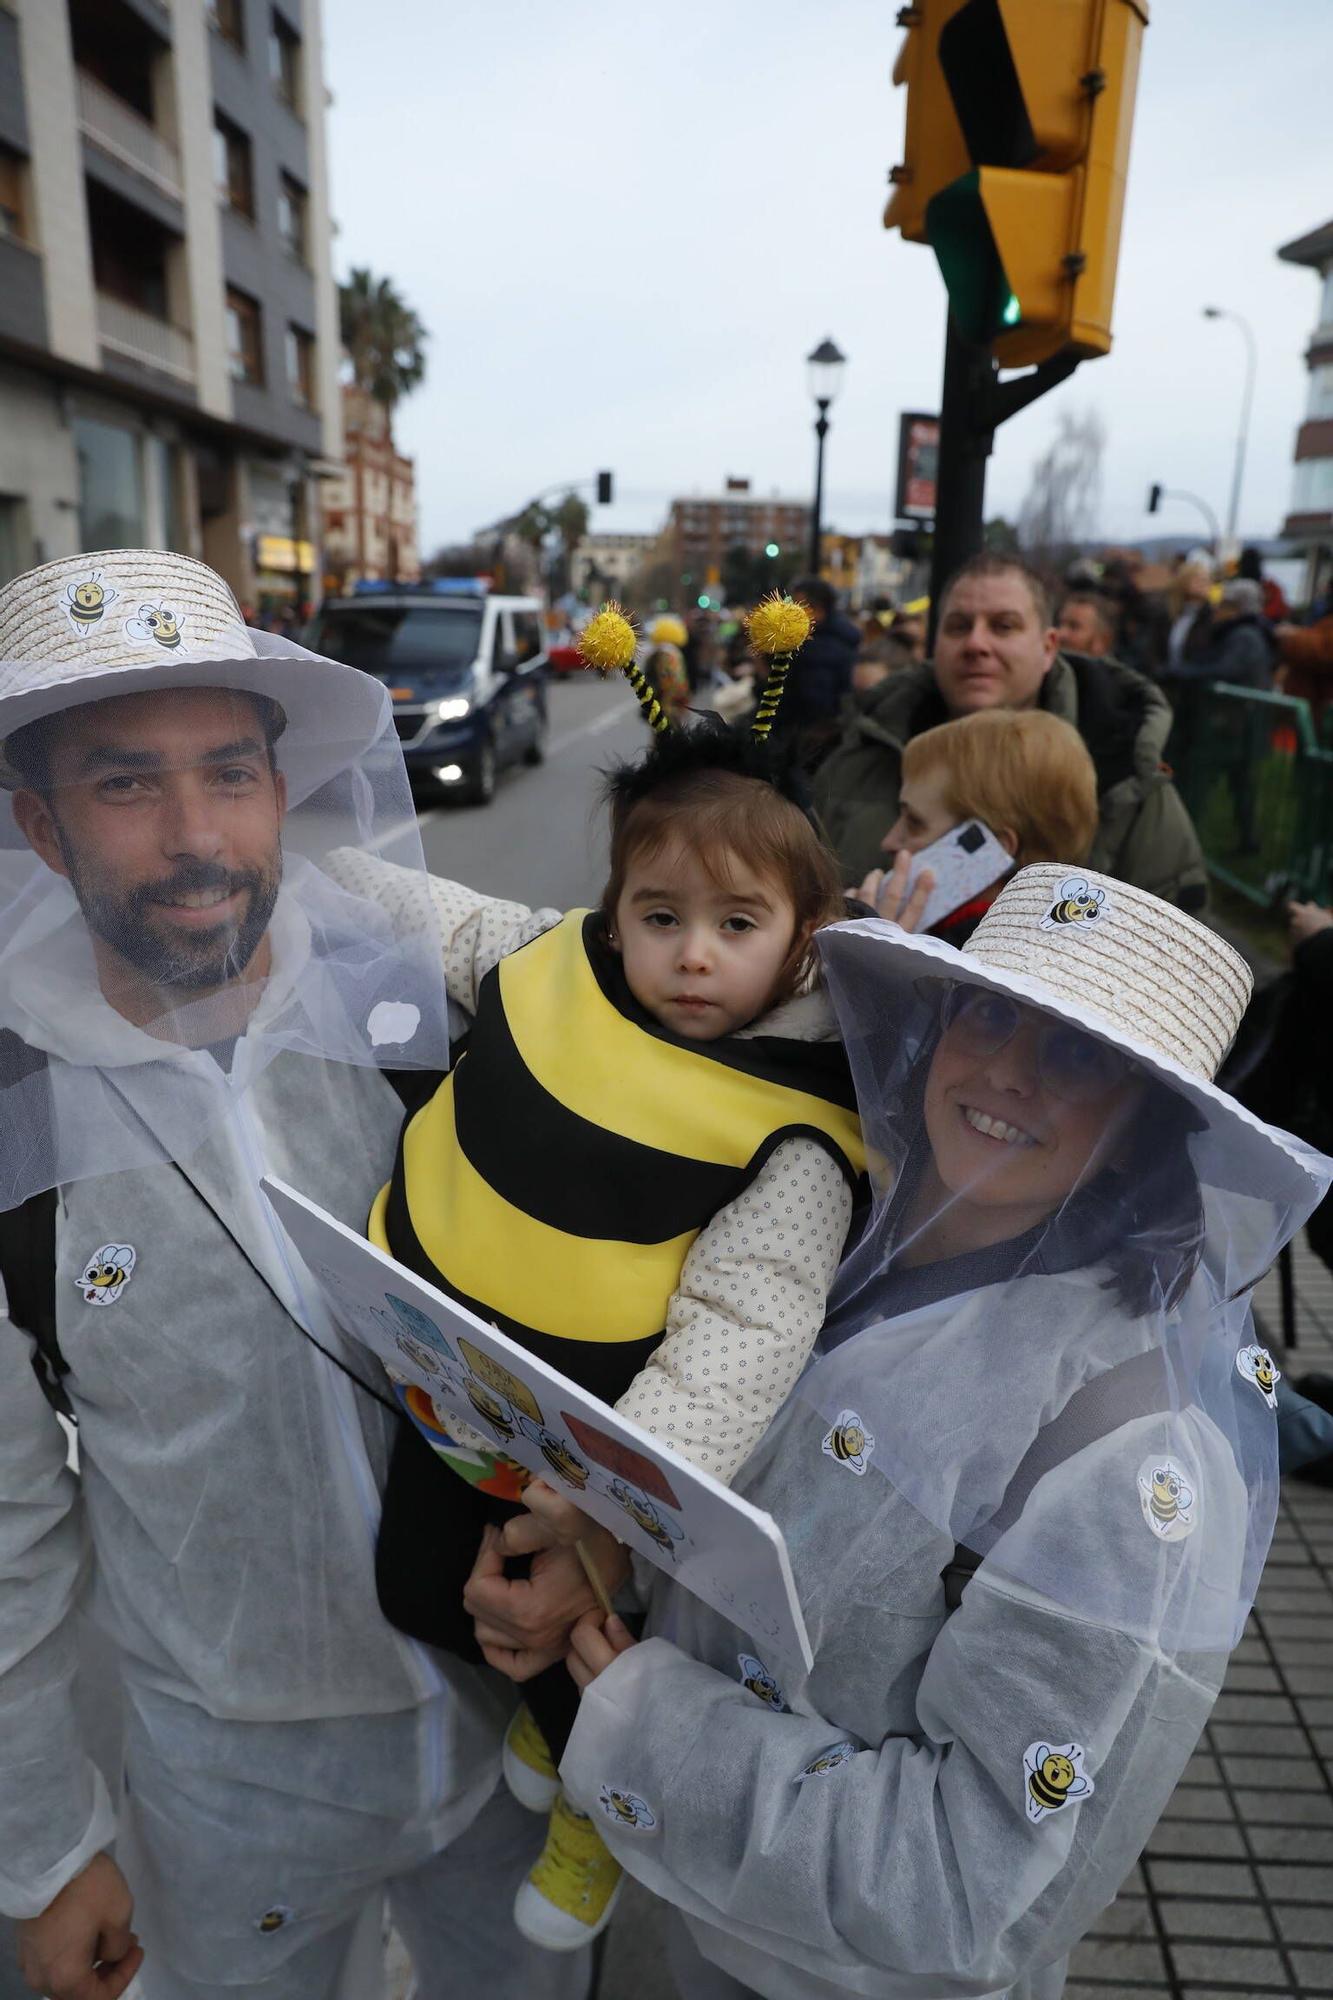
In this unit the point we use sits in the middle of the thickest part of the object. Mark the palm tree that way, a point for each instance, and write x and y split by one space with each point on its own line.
384 339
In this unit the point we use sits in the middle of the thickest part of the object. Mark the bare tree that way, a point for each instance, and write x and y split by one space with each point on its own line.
1059 512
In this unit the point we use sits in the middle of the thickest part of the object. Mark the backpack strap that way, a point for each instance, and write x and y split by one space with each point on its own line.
1133 1388
28 1268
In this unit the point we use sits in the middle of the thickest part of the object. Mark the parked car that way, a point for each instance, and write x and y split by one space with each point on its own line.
466 670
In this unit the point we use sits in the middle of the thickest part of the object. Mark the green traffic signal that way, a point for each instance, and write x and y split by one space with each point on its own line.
981 298
772 549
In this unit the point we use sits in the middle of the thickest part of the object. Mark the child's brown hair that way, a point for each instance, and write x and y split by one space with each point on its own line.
720 814
1019 771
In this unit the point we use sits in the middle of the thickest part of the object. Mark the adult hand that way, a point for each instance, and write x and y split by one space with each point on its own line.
523 1623
1304 919
81 1947
551 1522
889 896
593 1644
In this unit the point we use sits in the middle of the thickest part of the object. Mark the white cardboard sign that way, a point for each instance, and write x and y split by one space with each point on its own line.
451 1364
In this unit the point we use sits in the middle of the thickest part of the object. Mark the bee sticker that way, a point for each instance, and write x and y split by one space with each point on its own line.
827 1760
1055 1779
1077 905
663 1532
273 1919
756 1677
1169 1504
157 625
849 1443
85 604
106 1274
1257 1365
626 1810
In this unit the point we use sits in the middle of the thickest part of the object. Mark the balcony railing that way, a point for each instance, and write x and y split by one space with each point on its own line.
138 336
119 130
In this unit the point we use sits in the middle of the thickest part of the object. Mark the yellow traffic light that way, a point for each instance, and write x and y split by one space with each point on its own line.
934 150
1027 233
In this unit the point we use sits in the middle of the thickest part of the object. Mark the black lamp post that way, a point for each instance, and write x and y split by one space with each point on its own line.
824 368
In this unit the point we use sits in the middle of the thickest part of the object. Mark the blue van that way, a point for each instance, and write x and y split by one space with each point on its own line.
466 671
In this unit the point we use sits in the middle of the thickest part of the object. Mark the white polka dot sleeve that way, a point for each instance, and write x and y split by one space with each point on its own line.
475 931
751 1301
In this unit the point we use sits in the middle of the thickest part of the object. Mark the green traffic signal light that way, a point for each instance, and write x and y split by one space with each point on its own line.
772 549
981 298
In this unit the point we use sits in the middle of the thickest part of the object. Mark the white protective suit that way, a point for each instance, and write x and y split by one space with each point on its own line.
942 1806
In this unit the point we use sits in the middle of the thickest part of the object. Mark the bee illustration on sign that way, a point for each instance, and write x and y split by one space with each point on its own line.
512 1388
1167 1499
85 604
626 1810
106 1274
559 1454
420 1325
416 1351
158 625
826 1761
1055 1778
645 1515
756 1677
496 1415
1257 1365
849 1443
1077 904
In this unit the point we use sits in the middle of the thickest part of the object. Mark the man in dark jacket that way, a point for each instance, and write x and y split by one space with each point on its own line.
823 677
996 648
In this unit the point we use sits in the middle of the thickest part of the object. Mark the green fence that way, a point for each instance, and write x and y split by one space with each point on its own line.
1259 785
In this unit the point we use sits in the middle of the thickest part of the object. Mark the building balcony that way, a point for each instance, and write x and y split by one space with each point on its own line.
139 336
117 129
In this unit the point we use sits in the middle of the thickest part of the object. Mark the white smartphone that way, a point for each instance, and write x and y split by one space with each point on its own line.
964 861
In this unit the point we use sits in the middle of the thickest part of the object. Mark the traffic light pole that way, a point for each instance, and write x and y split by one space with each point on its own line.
973 403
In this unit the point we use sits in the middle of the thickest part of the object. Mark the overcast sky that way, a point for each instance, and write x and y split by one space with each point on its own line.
625 225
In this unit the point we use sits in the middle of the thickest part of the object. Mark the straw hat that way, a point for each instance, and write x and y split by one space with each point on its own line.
1122 966
126 621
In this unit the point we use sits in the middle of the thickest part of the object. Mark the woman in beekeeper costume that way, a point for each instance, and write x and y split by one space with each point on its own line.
1027 1483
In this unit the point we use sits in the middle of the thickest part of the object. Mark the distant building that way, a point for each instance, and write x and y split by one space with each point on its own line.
1310 521
862 568
700 531
168 322
603 564
370 510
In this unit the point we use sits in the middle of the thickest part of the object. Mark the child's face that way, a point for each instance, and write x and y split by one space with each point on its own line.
704 959
923 815
1051 1102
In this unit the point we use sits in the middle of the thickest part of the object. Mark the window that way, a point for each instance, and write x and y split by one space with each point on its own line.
1321 390
1313 488
301 366
284 60
228 17
111 496
1326 299
291 215
233 168
245 348
527 636
13 208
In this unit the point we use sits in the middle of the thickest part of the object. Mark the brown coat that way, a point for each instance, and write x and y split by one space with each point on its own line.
1307 661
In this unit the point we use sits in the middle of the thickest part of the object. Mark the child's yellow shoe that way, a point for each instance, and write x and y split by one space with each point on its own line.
570 1894
529 1768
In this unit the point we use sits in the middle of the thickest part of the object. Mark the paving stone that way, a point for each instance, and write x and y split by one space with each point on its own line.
1248 1921
1248 1965
1204 1878
1268 1739
1287 1884
1192 1802
1314 1969
1250 1679
1306 1678
1128 1917
1201 1770
1323 1740
1118 1958
1286 1808
1293 1843
1237 1705
1304 1923
1316 1711
1182 1840
1082 1990
1300 1774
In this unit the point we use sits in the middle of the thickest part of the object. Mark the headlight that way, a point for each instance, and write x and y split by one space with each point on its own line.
452 710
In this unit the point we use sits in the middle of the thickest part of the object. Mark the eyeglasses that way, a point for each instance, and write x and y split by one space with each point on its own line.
1071 1065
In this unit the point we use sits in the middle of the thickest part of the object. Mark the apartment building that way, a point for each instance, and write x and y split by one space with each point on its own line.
370 510
168 317
702 529
603 564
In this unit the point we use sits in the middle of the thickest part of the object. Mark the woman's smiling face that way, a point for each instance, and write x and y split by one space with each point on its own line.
1005 1141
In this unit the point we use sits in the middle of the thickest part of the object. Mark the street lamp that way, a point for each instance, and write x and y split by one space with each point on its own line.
824 372
1247 399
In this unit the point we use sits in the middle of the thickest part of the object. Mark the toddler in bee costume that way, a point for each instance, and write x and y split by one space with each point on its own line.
641 1167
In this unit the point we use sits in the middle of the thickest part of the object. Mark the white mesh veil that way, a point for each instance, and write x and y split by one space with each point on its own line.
1042 1339
297 966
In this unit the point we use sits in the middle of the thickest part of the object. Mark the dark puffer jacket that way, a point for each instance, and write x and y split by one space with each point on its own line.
1144 835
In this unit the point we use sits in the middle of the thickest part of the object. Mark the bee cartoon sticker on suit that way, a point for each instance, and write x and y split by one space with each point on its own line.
1168 1499
159 625
645 1515
1257 1365
106 1274
1077 905
85 603
756 1677
1055 1778
827 1760
849 1443
626 1810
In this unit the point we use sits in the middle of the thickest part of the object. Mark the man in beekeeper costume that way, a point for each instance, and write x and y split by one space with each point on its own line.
188 999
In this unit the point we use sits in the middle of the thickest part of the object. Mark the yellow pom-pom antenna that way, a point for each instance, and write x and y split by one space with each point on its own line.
609 643
778 627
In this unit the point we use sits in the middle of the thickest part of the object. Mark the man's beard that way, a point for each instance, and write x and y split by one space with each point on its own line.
192 961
